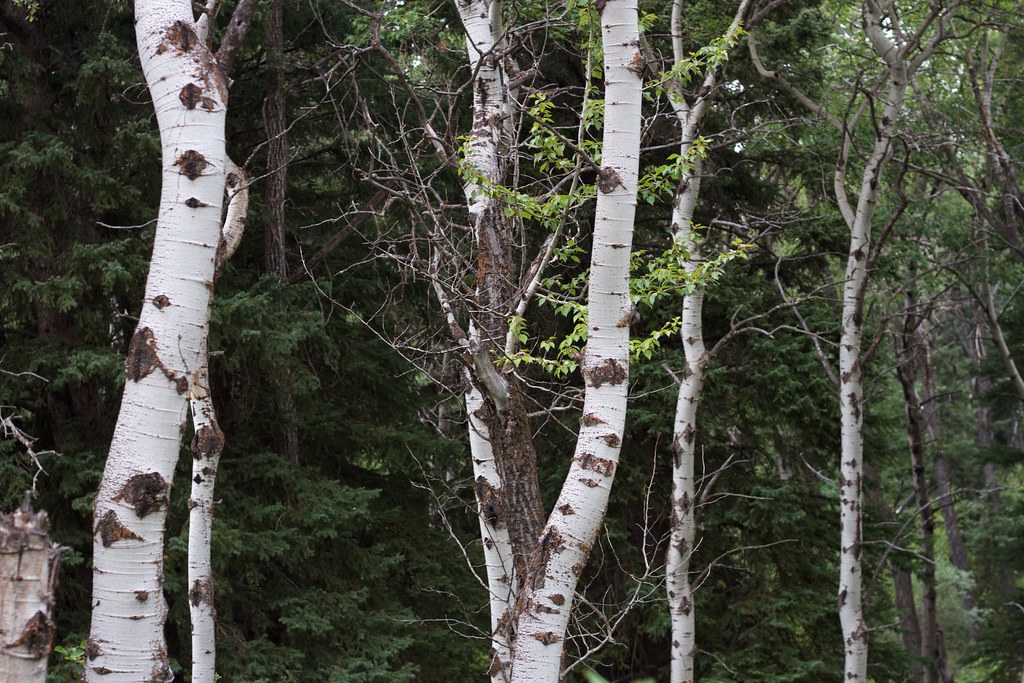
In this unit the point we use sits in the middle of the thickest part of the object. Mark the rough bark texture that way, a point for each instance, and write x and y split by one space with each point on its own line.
275 123
126 642
910 352
28 587
501 441
547 596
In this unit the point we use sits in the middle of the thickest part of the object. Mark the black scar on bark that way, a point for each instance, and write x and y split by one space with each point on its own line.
111 530
489 500
548 638
208 441
192 164
161 301
192 95
37 635
145 492
608 372
201 592
612 440
142 358
182 36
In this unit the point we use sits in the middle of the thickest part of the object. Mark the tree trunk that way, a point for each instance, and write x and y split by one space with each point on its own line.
126 643
207 445
684 527
547 596
911 358
275 124
851 392
501 441
29 563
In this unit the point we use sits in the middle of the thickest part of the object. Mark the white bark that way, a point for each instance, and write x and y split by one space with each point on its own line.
684 527
494 533
207 446
126 643
482 22
851 392
28 581
567 539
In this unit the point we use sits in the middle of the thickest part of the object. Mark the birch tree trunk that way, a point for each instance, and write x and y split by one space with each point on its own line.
683 526
29 562
207 445
851 391
501 442
126 641
547 596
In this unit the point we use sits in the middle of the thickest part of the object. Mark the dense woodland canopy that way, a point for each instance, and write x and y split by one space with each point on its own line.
347 534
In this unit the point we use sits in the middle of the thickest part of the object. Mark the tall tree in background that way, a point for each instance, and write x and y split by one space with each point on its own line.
188 85
902 50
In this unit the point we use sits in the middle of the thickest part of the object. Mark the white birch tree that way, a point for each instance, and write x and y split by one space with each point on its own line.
683 529
188 85
555 566
893 45
485 167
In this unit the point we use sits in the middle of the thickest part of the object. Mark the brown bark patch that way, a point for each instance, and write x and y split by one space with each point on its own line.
689 433
37 636
489 502
566 509
589 461
192 164
182 36
111 530
142 358
609 372
92 649
590 483
192 96
208 441
591 420
612 440
201 592
145 492
548 638
142 596
161 669
161 301
557 598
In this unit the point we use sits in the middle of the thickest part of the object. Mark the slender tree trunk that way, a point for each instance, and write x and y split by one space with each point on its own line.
684 526
275 124
561 555
494 532
207 445
910 353
851 392
29 563
501 441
